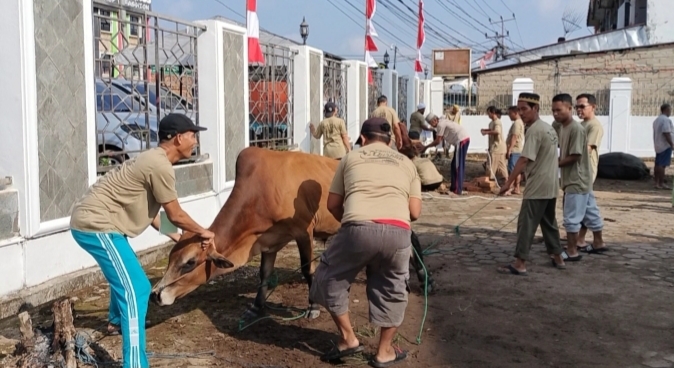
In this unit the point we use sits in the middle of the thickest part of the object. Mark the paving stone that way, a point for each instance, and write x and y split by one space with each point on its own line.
657 363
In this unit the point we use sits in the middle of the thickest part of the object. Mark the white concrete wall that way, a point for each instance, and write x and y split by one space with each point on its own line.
353 83
659 21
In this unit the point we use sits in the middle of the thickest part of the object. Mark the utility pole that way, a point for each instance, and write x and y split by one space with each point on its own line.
500 37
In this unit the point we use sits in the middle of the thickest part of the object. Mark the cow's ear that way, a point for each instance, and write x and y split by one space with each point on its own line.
219 260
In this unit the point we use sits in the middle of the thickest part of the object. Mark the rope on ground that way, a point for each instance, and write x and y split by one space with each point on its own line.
423 319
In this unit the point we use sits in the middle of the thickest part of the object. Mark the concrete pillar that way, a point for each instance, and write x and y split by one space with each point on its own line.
228 130
412 97
616 132
307 97
389 87
522 85
437 92
353 98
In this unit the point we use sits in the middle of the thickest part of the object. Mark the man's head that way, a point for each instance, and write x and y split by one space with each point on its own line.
585 105
177 135
330 110
513 113
382 100
455 109
666 109
421 107
432 119
493 112
375 130
529 106
562 108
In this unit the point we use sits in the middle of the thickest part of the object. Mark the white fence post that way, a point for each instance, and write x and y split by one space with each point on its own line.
616 132
301 99
412 97
437 92
387 87
353 98
522 85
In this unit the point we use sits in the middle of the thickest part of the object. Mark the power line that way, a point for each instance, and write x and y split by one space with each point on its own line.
431 29
489 6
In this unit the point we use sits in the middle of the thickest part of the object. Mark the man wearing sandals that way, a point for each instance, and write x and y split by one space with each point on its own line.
662 142
539 161
579 203
375 194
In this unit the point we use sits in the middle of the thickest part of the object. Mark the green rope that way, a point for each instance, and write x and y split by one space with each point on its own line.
423 320
456 228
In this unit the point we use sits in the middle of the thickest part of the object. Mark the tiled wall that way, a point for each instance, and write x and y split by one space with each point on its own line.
235 119
194 179
61 106
315 81
363 95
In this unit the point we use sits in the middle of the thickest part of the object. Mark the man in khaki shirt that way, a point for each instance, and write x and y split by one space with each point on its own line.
333 130
579 202
375 194
586 105
515 142
391 116
497 147
123 204
540 163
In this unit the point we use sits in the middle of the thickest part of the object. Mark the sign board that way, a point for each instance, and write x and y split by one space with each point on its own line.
451 63
145 5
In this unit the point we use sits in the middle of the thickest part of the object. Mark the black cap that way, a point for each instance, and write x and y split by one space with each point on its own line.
378 126
330 108
173 124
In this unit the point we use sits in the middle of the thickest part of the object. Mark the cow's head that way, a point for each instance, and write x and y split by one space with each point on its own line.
189 267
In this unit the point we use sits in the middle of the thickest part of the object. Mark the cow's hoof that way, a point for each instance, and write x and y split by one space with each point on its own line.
313 313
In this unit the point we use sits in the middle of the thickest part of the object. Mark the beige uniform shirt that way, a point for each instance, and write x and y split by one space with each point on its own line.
417 121
516 132
128 198
428 173
332 129
576 178
376 183
496 142
540 147
389 115
595 133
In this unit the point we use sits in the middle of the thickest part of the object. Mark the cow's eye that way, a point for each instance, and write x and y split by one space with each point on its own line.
189 265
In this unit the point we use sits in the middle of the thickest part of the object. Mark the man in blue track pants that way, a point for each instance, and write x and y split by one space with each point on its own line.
452 134
123 204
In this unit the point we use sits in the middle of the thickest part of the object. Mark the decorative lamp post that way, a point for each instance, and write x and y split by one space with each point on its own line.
426 72
387 59
304 30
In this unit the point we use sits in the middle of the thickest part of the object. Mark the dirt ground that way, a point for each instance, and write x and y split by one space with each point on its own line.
611 310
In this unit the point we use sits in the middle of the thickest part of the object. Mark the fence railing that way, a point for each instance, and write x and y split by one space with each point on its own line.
647 98
402 97
271 98
499 96
145 67
334 84
374 90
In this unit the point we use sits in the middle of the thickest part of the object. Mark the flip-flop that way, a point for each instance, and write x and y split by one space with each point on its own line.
400 356
335 353
592 250
567 258
557 265
511 270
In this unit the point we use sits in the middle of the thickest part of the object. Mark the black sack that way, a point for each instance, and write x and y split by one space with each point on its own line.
622 166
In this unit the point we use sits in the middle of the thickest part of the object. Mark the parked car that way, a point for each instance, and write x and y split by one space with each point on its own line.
124 125
168 101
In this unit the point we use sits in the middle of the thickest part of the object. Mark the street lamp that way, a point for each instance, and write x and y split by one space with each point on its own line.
426 72
304 30
387 59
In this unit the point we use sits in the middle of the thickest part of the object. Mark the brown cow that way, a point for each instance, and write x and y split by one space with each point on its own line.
277 197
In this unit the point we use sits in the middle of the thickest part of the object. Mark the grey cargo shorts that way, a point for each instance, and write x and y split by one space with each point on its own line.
384 251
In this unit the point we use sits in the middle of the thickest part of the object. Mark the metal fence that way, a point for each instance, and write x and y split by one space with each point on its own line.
374 89
402 97
492 95
568 83
271 98
334 84
145 67
649 96
457 94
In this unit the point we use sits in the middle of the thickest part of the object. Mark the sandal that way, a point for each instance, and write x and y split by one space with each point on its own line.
566 257
400 356
336 354
557 265
590 249
512 270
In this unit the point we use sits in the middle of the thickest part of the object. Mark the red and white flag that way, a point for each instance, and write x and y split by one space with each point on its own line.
370 33
253 33
486 57
421 38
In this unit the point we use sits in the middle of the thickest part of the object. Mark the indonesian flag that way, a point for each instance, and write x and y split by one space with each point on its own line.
370 33
421 38
253 33
485 58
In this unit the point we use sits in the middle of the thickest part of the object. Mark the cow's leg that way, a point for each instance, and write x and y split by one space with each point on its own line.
305 244
266 268
418 264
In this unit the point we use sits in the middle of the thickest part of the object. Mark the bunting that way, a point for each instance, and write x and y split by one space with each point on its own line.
255 55
421 38
370 33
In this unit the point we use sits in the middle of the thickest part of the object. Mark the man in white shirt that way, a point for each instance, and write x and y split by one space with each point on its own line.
662 142
455 135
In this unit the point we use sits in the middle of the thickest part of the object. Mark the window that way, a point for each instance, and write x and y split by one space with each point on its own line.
134 29
103 19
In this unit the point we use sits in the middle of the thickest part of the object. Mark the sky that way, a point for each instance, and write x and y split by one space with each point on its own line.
337 26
